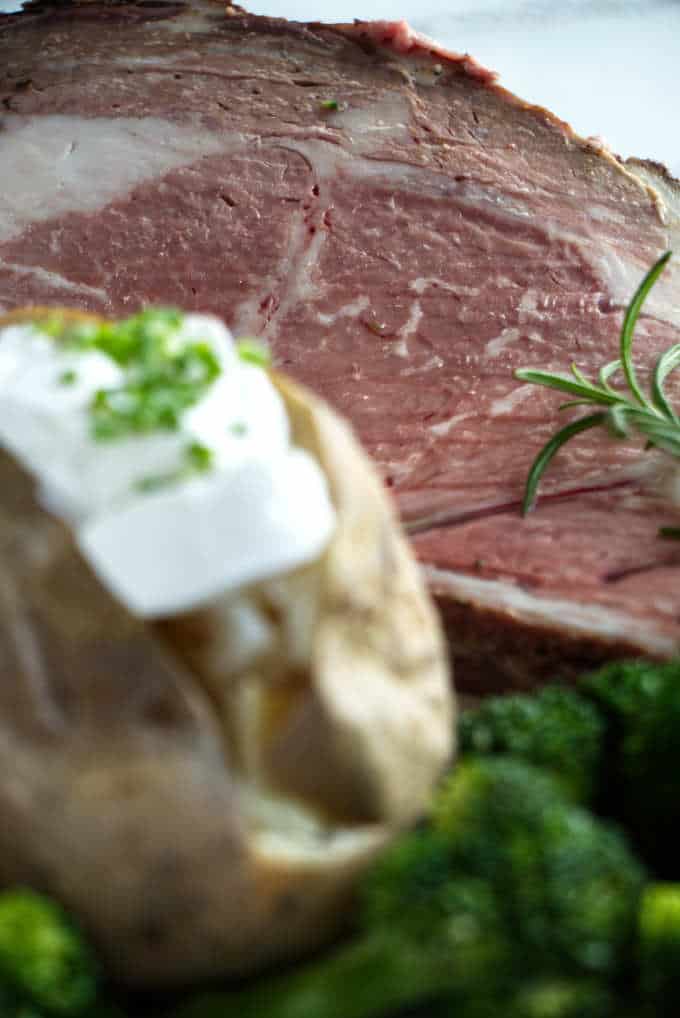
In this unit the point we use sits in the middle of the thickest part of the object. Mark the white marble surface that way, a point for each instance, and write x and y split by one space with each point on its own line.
609 67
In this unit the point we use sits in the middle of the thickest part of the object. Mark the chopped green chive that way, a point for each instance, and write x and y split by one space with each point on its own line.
162 377
52 326
672 533
153 482
199 457
330 104
253 352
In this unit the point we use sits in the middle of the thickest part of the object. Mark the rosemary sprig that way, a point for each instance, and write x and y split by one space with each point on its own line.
650 416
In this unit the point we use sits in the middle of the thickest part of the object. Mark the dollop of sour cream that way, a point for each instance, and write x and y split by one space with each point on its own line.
164 539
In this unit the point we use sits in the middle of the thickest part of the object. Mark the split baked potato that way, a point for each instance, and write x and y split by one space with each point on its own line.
199 817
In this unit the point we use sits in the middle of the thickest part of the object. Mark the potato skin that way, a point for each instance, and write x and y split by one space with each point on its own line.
120 790
379 666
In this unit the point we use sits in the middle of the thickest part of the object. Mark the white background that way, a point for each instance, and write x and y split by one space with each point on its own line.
609 67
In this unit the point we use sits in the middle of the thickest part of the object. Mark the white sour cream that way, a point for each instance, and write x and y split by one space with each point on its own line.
263 508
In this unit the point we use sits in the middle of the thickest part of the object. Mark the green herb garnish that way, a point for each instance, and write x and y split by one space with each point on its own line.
330 104
238 428
651 416
162 376
155 482
198 459
68 377
53 326
253 352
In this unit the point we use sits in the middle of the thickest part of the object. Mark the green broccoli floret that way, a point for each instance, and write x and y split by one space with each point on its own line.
556 728
427 932
511 880
45 965
11 1006
641 705
561 998
568 885
660 950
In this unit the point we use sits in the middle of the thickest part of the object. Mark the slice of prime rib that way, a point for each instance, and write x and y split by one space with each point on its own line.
405 234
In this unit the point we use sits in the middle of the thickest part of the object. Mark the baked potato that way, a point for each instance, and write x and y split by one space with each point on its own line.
198 816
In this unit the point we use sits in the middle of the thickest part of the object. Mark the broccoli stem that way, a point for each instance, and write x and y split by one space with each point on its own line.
371 976
45 963
660 949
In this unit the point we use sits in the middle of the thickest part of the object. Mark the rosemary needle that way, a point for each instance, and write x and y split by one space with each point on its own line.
649 416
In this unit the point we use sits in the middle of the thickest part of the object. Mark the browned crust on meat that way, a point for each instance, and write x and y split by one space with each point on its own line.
370 36
151 11
493 654
654 167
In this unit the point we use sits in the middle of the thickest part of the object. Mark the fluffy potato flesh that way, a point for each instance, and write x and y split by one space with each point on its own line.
200 815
